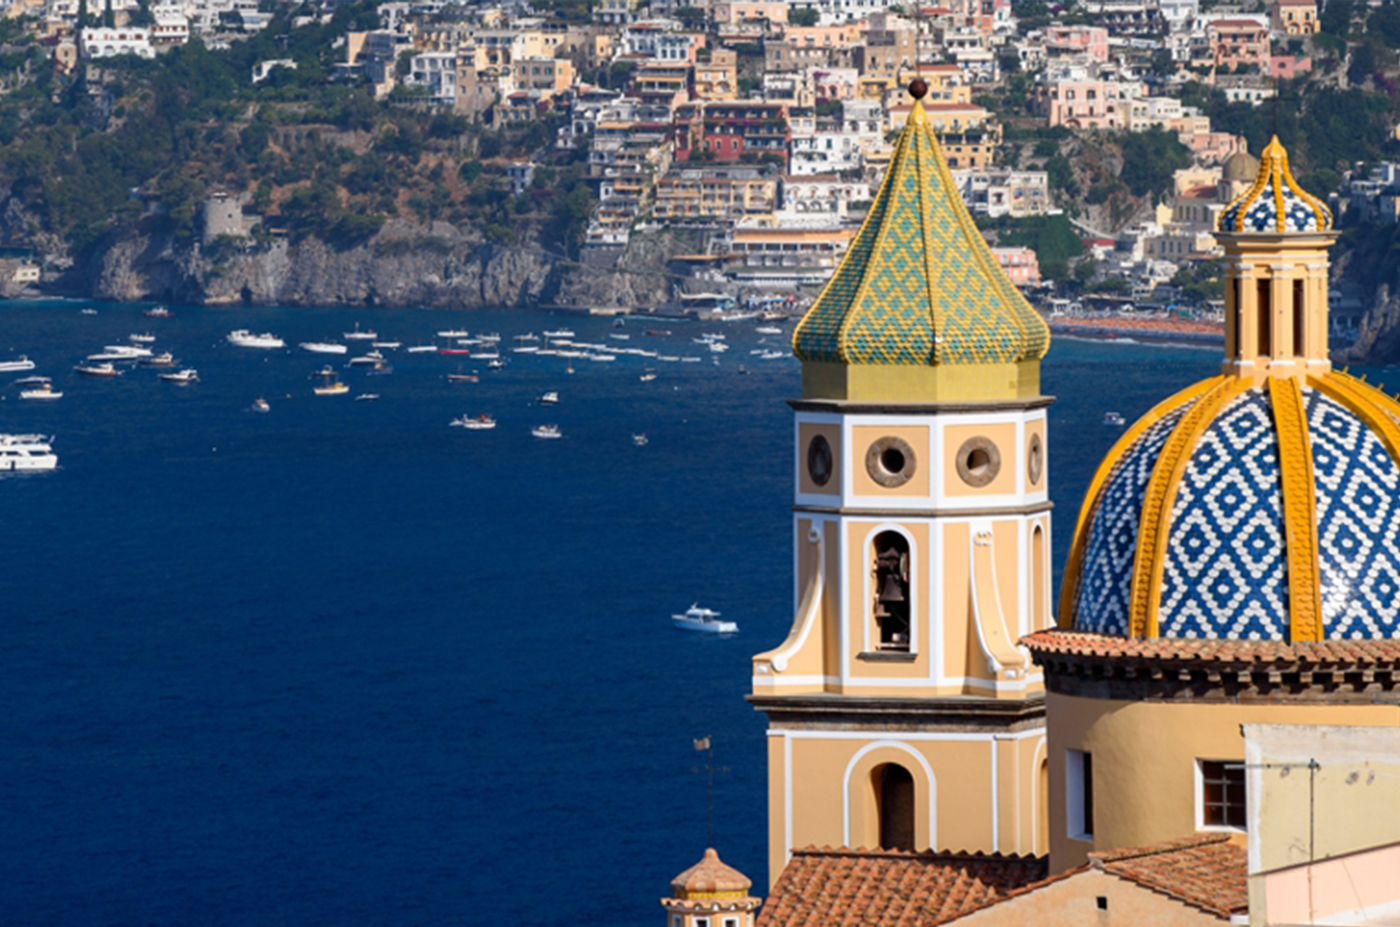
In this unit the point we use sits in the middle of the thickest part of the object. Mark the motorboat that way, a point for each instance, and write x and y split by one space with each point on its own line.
550 398
454 350
88 311
657 332
559 333
27 452
492 338
423 349
390 345
492 354
182 377
769 330
142 338
546 431
260 405
367 397
373 357
20 363
323 347
26 381
245 339
358 335
496 364
619 336
703 619
528 336
123 352
42 391
463 378
330 384
157 312
772 355
475 423
380 369
1113 418
98 370
640 440
526 349
648 376
454 333
160 360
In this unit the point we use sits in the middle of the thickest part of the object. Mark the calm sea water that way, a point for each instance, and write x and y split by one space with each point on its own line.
342 663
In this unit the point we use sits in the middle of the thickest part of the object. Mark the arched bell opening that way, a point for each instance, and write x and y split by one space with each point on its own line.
894 803
891 604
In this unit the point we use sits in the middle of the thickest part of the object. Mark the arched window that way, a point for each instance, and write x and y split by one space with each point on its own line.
894 801
1038 579
890 605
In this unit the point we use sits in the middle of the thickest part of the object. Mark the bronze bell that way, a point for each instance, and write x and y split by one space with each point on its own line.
892 591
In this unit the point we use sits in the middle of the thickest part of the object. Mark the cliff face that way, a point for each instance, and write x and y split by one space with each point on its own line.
403 265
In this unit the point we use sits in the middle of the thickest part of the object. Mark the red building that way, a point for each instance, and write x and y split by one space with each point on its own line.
745 130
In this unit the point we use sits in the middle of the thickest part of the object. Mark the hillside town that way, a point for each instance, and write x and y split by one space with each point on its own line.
761 129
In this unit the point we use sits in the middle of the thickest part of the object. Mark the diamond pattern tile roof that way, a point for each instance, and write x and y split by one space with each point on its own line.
918 285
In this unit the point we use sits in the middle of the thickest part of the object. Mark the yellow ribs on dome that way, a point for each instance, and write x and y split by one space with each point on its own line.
1298 492
1273 179
918 285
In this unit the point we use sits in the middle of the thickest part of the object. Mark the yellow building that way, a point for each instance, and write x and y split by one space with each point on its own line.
1235 563
901 712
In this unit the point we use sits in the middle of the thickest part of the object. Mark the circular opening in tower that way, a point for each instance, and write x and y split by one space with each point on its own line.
890 461
978 461
819 461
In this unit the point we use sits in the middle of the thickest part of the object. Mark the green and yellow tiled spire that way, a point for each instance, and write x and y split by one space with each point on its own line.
919 310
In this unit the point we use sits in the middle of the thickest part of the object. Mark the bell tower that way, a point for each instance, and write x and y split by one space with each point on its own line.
902 713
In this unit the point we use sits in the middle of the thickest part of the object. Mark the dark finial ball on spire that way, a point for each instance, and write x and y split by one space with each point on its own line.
917 88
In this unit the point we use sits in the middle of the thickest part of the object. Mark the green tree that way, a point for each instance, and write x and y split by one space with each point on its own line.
803 16
1150 158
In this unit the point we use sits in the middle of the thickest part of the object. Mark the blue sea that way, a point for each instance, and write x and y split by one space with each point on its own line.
341 663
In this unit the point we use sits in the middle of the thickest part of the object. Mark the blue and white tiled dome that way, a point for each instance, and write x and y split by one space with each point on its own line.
1275 203
1209 556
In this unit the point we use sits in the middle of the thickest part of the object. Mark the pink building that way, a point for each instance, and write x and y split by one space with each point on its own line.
1091 41
1239 43
1089 103
1288 67
1020 264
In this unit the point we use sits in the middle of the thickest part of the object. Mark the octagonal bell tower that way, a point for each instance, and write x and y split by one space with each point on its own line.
901 711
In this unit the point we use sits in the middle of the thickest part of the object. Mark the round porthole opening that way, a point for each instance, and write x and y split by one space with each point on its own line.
819 460
1035 463
890 461
978 461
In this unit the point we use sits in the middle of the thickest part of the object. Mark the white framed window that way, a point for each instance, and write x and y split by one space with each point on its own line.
701 922
1079 794
1220 796
731 922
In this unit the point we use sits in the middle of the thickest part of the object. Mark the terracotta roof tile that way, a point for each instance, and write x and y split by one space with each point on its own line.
1207 872
891 888
1084 644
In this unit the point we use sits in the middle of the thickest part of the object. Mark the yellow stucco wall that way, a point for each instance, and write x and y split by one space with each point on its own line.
1001 434
806 431
1144 761
862 436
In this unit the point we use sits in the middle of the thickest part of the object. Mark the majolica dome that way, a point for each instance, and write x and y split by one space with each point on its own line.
1236 511
710 878
1240 166
1275 202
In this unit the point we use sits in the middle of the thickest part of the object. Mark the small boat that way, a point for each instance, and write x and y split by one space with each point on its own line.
27 452
260 405
569 368
454 333
323 347
98 370
546 431
620 336
1113 418
454 350
559 333
496 364
126 351
463 378
157 312
182 377
160 360
528 336
648 376
639 439
87 312
423 349
331 385
42 391
367 397
144 338
380 369
526 349
492 338
493 354
550 398
26 381
703 619
391 345
769 330
373 357
358 335
20 363
658 332
772 355
475 423
241 337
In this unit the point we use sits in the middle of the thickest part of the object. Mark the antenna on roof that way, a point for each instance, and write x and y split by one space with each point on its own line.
706 745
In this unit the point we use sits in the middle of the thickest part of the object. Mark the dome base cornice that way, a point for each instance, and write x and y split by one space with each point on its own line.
1087 665
878 383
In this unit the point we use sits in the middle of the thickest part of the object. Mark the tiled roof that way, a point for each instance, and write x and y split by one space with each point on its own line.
710 876
1207 872
821 887
1216 650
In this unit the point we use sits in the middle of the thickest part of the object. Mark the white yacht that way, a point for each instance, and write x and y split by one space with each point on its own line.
98 370
423 349
550 398
454 333
373 357
20 363
144 338
559 333
475 423
27 452
358 335
703 619
182 377
44 390
246 339
769 330
546 431
160 360
121 352
390 345
323 347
